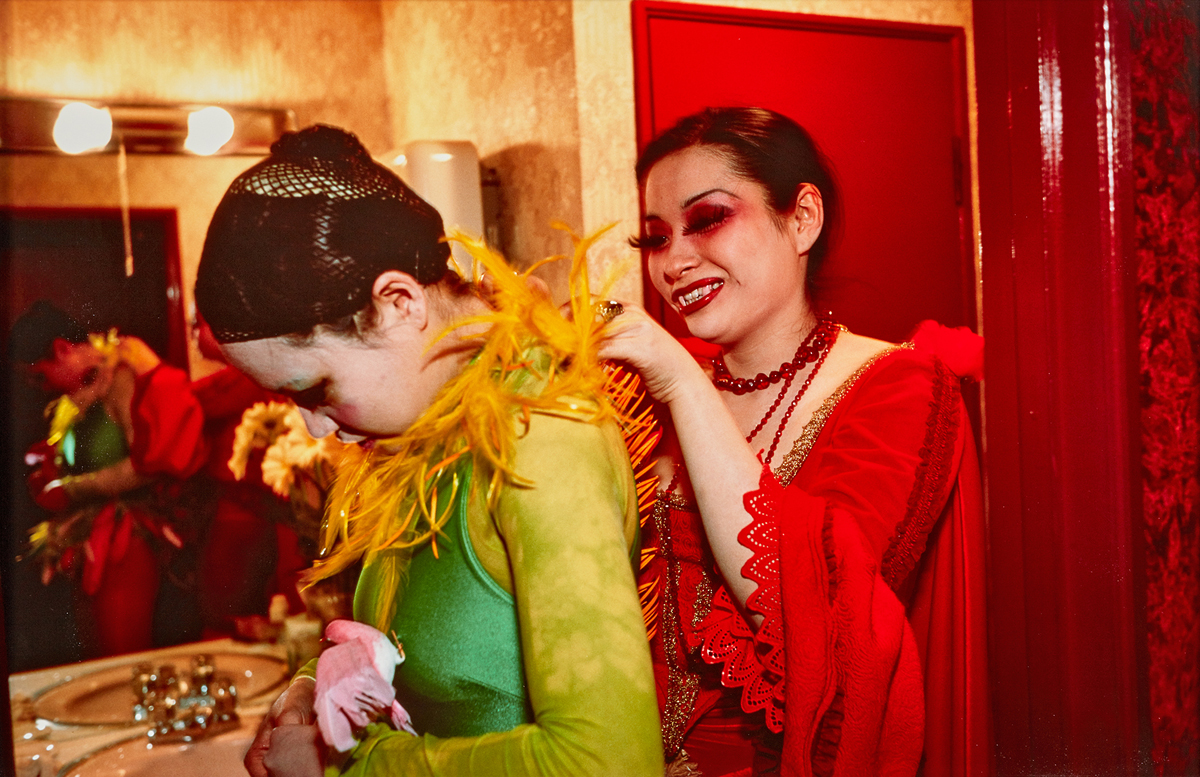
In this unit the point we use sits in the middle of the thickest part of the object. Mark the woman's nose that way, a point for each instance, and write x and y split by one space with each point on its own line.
677 260
318 425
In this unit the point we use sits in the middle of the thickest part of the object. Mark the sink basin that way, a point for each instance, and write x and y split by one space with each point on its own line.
217 756
106 696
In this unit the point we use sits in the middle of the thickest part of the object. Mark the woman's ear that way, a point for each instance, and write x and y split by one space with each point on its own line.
807 217
60 348
398 299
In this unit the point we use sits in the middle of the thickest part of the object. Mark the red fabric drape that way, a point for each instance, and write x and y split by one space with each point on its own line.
1167 213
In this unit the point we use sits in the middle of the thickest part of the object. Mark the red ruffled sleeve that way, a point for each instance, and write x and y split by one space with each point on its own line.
834 555
843 682
168 425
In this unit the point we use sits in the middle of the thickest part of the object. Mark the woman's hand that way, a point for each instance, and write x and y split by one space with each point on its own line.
721 467
286 742
138 356
667 369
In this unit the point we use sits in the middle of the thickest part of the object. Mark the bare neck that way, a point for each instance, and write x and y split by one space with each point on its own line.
764 349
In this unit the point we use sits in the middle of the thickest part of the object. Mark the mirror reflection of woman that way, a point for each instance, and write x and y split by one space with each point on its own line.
98 472
324 278
807 469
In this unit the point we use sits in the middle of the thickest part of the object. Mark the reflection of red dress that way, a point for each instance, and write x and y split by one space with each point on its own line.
882 507
197 423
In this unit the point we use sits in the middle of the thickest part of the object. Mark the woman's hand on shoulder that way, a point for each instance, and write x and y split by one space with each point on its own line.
286 743
138 356
667 369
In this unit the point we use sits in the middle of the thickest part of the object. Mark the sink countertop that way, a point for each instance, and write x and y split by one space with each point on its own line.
42 748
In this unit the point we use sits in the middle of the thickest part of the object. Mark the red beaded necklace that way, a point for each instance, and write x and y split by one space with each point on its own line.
817 341
815 347
824 344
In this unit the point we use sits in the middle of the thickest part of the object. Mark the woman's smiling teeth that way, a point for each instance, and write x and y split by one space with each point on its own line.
691 296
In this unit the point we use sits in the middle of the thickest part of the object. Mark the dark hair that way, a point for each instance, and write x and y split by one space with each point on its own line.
299 239
761 146
33 334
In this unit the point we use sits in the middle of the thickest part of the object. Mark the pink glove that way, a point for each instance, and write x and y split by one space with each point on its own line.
354 683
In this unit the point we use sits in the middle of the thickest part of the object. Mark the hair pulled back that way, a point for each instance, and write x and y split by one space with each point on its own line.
299 239
33 334
761 146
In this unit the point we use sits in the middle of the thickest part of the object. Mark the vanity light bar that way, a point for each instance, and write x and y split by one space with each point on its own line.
56 126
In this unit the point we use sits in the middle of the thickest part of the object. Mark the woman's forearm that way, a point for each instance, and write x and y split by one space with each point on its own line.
722 469
109 482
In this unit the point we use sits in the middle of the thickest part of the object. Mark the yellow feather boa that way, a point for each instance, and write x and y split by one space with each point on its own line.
399 493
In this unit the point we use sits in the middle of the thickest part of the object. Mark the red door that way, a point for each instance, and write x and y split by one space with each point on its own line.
885 101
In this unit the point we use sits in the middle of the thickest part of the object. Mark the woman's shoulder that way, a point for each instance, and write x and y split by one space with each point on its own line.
935 354
856 360
871 375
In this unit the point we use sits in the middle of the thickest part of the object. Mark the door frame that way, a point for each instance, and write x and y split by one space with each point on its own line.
646 11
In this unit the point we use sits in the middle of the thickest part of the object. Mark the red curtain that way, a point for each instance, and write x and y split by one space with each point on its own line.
1166 203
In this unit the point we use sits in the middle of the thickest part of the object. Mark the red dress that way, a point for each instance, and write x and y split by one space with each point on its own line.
246 555
871 553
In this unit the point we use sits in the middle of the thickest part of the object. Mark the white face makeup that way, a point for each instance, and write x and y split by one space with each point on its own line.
357 388
70 367
715 249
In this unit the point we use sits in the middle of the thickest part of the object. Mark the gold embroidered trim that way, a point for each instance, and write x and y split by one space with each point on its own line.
677 502
682 685
704 597
795 458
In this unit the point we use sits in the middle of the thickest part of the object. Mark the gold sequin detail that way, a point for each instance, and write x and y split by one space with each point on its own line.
682 766
704 597
682 685
795 458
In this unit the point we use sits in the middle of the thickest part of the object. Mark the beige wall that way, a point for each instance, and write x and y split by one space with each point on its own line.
544 88
321 59
502 75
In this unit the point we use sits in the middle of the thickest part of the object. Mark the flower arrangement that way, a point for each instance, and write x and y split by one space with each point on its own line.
296 466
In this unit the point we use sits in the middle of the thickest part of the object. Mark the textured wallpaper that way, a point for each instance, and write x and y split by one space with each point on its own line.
502 75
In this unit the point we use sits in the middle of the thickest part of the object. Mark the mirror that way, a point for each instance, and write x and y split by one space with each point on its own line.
61 240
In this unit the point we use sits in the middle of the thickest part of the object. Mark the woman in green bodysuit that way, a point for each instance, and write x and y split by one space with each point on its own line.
490 499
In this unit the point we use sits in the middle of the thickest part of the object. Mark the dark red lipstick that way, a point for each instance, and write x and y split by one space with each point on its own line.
697 295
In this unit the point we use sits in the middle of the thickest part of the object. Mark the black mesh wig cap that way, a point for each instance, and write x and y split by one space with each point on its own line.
299 239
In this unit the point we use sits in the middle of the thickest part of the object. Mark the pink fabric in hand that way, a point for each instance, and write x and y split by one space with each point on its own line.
354 683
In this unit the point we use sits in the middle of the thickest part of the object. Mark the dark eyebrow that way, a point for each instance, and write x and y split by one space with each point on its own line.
704 194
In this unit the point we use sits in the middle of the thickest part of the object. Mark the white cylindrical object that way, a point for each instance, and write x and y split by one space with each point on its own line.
446 175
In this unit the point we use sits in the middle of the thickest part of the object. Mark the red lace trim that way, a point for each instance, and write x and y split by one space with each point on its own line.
932 475
753 661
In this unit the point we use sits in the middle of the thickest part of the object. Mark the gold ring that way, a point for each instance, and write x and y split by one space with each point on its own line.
608 309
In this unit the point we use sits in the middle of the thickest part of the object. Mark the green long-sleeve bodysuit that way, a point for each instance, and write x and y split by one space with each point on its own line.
539 592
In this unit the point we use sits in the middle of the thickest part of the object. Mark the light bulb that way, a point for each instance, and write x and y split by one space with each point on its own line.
80 127
208 129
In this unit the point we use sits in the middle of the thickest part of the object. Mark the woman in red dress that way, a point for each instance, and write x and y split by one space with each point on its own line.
814 558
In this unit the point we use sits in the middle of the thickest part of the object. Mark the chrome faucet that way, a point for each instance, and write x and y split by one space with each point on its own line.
183 709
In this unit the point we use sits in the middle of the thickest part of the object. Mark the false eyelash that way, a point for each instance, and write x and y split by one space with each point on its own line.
706 222
647 242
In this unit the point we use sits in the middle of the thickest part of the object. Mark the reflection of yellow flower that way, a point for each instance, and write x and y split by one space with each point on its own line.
105 342
62 413
279 428
39 535
277 472
260 426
